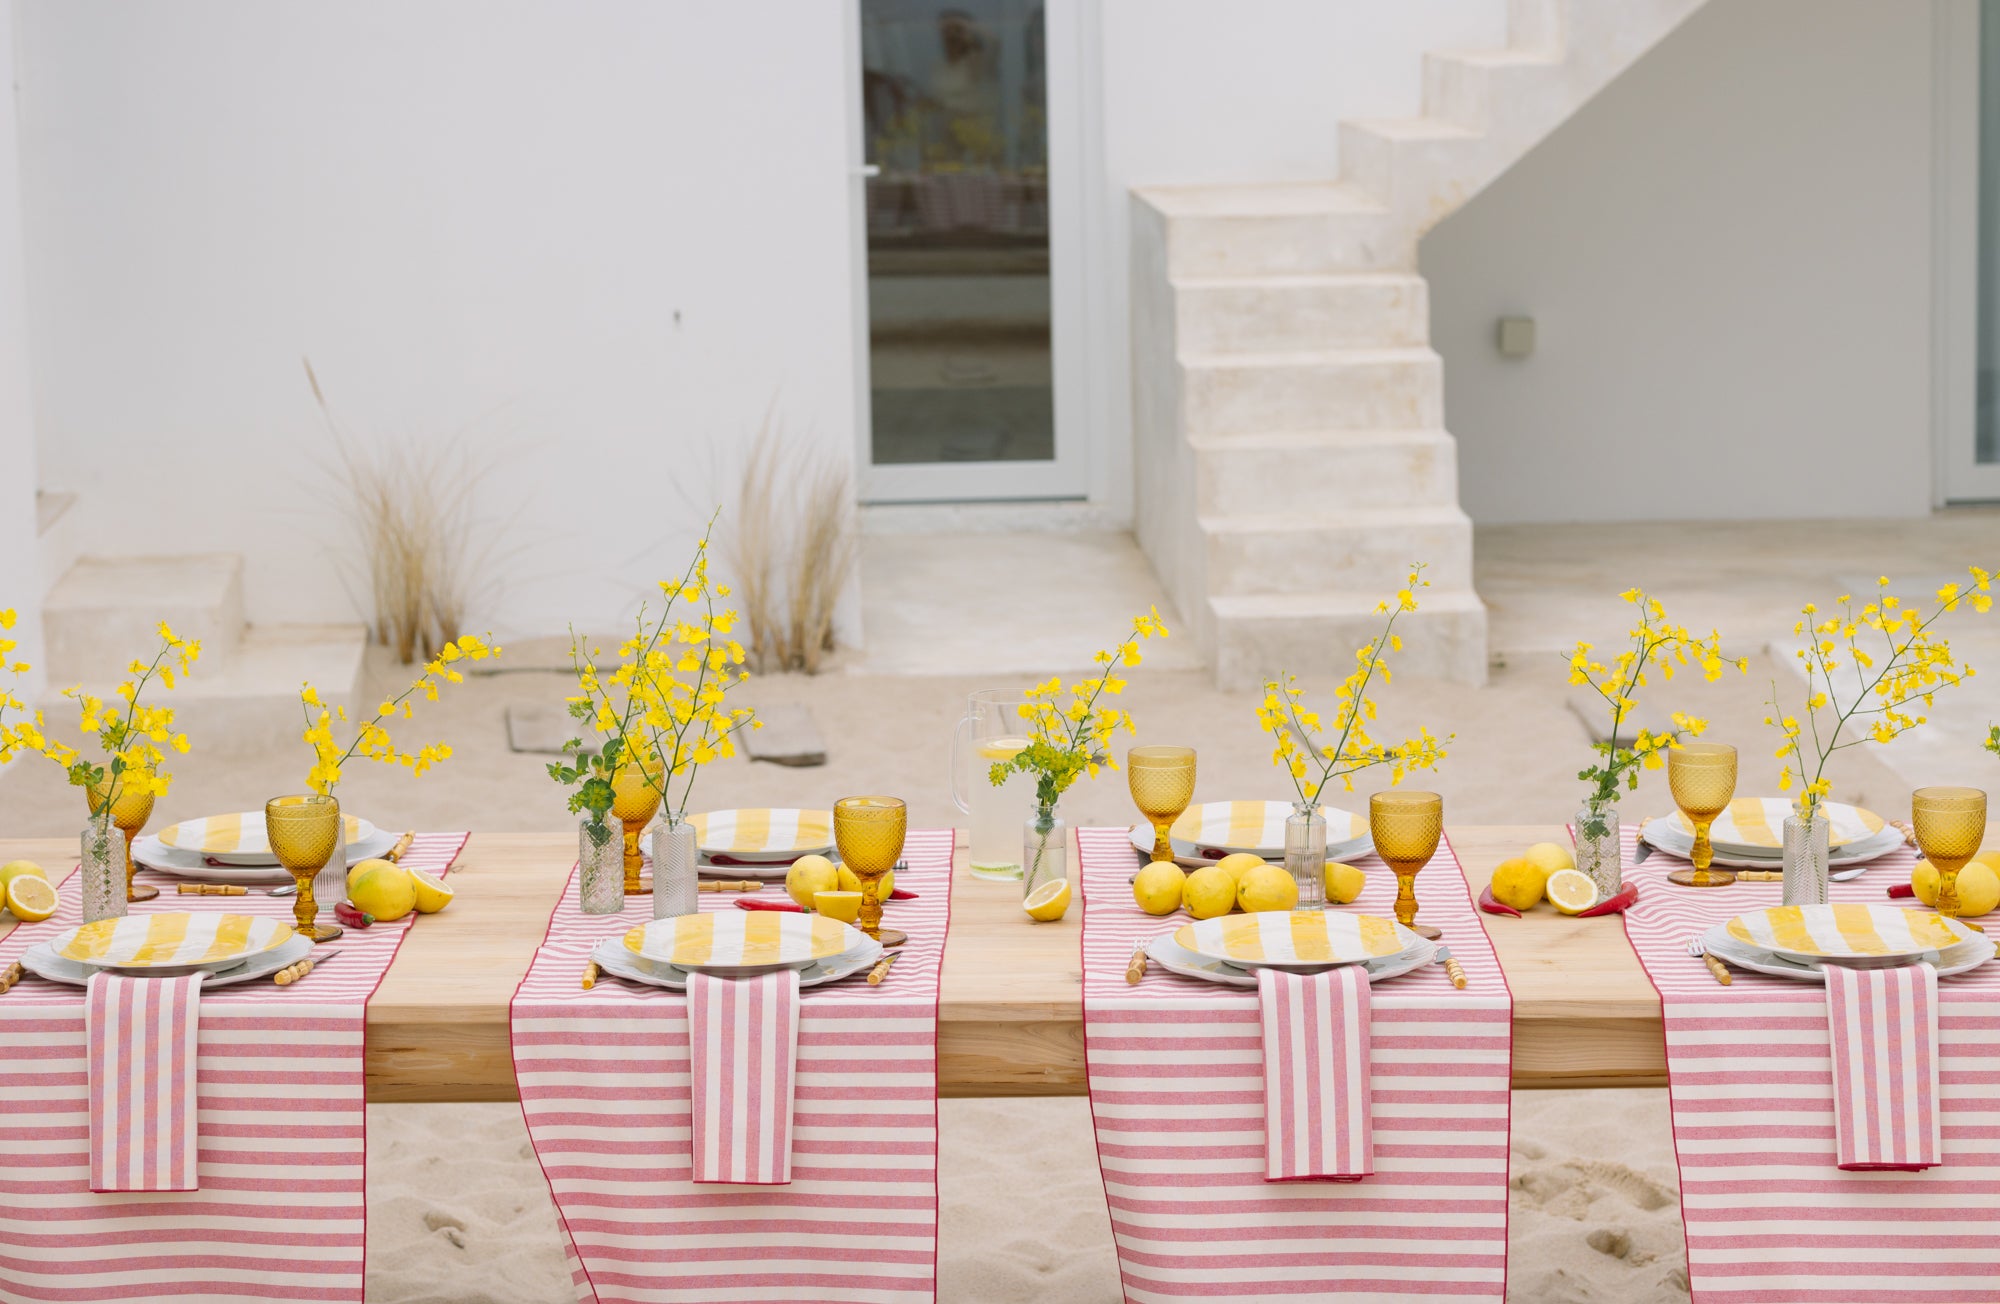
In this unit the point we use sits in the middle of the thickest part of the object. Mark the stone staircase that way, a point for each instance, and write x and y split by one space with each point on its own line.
1288 410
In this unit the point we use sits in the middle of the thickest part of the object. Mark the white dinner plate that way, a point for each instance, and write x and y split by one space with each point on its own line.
42 961
1189 856
1853 933
742 942
150 852
1296 939
1661 834
1175 958
763 833
1952 961
240 838
170 942
612 957
1755 825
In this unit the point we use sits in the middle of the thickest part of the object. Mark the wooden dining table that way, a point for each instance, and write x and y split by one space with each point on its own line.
1010 1019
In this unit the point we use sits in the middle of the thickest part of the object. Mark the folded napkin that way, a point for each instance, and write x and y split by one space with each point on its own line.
743 1038
141 1033
1316 1079
1884 1027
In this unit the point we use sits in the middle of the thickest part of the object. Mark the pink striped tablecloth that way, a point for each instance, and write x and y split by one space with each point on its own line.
282 1210
606 1090
1177 1094
1769 1217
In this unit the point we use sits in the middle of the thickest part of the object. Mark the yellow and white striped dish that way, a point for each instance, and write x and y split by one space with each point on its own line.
1282 939
1760 822
1847 930
743 939
174 940
763 831
241 834
1257 826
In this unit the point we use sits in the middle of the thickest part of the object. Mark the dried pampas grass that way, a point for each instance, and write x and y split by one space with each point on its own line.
792 544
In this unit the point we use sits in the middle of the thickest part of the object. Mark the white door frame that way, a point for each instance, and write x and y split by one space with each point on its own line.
1959 476
1073 99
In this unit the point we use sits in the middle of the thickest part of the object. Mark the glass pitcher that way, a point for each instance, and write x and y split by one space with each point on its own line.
992 730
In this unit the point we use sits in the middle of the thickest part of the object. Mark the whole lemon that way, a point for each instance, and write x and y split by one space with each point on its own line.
1267 888
851 881
1520 882
810 874
1158 888
386 891
1978 886
1548 857
1343 882
1924 882
1238 863
1210 891
361 867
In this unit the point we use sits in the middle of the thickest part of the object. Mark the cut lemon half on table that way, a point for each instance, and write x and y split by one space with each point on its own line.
1048 902
31 898
432 894
1571 891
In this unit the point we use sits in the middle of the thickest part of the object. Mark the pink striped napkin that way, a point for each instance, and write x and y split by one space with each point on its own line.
1316 1080
1883 1024
743 1044
142 1034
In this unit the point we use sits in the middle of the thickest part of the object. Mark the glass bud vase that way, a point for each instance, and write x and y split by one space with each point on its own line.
1599 853
676 886
1806 851
103 872
1305 854
1044 850
330 884
600 868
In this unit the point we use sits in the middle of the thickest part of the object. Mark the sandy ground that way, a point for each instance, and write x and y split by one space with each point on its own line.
460 1211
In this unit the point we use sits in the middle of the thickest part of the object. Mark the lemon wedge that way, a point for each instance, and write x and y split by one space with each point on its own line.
432 894
1571 891
1048 902
30 898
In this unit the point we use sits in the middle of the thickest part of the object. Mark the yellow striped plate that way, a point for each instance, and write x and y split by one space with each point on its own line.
763 831
1257 826
1295 939
1759 822
240 838
171 940
743 940
1847 930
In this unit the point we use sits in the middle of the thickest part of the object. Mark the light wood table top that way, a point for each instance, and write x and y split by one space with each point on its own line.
1010 1019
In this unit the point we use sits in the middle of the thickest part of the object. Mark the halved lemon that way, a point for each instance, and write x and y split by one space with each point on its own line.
1571 891
31 899
1048 901
432 894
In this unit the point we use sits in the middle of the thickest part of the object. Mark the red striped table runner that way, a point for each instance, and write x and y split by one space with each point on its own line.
282 1209
1177 1094
1769 1217
606 1089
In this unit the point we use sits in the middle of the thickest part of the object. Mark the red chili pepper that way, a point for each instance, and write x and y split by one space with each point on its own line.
1613 905
1899 890
1492 905
750 903
350 914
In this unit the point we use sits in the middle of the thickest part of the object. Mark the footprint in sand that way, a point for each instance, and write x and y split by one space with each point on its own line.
1637 1189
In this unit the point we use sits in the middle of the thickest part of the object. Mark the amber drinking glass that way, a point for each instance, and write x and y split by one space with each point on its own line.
130 810
635 799
302 832
1406 827
1950 823
1162 783
868 831
1702 778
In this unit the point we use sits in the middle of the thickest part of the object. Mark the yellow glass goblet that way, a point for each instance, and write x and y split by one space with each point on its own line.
1950 823
635 799
302 832
130 809
1702 778
1162 783
868 831
1406 827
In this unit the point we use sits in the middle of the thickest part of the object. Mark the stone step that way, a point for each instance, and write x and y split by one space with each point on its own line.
1420 169
105 611
1257 636
1219 315
1347 389
1286 229
1314 472
1479 88
59 532
1365 551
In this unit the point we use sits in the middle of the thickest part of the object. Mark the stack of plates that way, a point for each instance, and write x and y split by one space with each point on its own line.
1750 834
1232 948
761 842
228 948
239 849
1800 941
1206 833
736 943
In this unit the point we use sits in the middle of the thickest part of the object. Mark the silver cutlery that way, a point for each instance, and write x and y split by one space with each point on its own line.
1451 967
290 974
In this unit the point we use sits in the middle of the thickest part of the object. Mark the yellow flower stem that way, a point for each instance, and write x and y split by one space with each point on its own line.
362 732
1350 713
131 709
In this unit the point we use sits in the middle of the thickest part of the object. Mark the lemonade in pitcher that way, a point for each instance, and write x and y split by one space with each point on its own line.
993 848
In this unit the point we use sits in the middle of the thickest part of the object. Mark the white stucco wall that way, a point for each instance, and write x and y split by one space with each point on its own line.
1728 258
20 576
